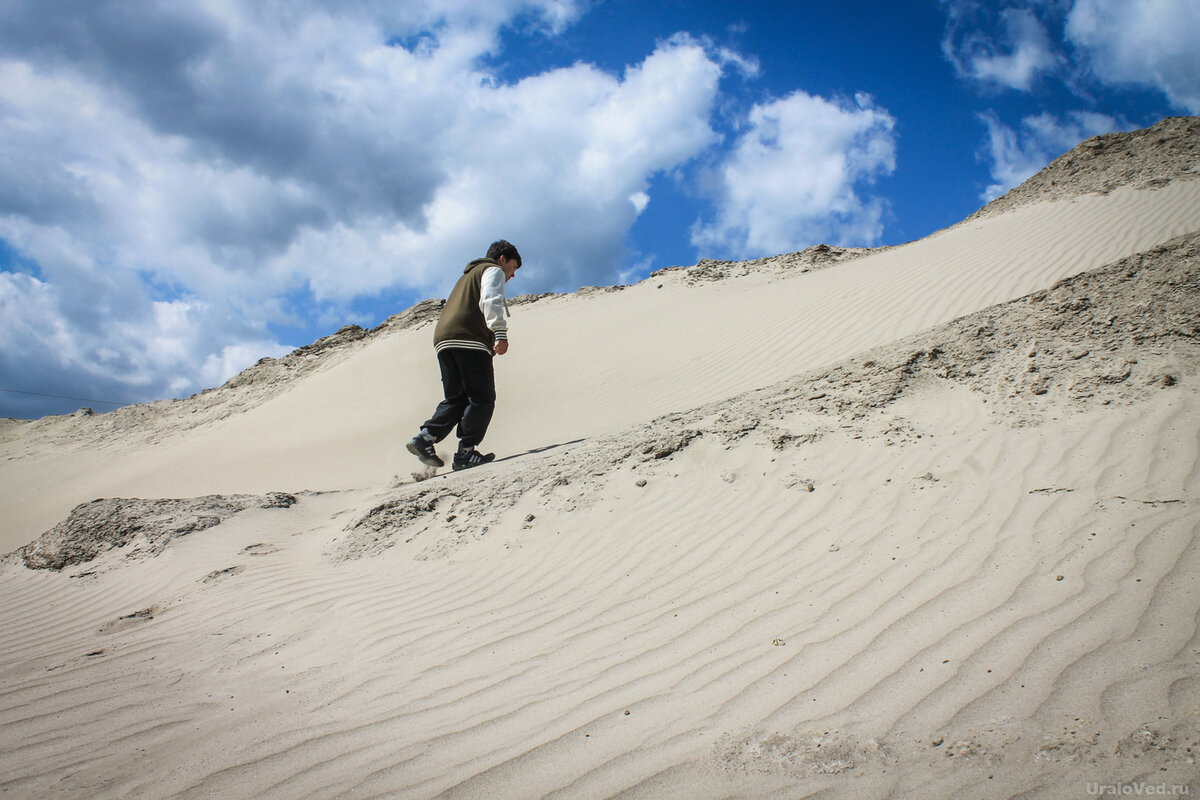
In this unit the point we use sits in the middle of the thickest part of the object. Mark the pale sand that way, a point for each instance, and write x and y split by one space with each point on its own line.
855 532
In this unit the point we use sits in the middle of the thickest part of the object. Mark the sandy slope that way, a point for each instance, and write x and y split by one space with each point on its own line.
584 366
855 532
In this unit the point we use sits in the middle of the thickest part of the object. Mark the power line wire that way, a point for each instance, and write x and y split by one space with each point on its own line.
65 397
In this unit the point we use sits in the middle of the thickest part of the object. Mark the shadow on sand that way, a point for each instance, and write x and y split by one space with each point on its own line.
537 450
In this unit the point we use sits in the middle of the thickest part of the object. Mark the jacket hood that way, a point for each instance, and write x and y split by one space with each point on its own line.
477 262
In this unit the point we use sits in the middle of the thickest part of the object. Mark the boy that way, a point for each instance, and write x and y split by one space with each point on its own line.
472 327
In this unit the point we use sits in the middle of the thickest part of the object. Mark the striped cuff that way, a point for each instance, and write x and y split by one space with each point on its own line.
461 344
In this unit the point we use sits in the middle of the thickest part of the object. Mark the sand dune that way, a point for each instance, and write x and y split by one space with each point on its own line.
922 522
343 426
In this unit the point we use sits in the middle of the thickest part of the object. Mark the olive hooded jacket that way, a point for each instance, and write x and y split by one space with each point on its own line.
474 316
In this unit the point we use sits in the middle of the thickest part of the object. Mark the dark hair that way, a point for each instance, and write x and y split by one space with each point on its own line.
503 248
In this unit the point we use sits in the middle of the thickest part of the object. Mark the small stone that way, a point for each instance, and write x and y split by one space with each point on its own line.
641 482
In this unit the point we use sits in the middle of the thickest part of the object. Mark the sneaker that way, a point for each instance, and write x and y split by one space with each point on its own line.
465 459
422 448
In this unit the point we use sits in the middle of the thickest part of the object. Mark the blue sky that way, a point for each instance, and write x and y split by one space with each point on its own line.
187 187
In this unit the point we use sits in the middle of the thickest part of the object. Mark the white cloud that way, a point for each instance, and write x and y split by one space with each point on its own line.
1029 52
747 66
1150 42
97 333
792 178
550 162
1015 156
1009 48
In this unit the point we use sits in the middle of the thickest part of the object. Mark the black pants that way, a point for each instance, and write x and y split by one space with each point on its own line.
469 383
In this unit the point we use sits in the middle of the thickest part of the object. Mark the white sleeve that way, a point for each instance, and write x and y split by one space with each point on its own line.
491 301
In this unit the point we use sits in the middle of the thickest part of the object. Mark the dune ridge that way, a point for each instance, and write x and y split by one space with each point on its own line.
1143 159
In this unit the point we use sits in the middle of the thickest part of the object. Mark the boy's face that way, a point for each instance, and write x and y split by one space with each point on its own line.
509 265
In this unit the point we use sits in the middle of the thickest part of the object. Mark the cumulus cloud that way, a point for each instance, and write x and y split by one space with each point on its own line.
1009 47
1153 43
1016 154
792 178
101 338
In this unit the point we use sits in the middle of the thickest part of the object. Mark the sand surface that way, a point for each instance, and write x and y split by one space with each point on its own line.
914 522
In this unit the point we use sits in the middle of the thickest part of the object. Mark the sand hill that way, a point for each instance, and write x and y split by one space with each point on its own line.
920 521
